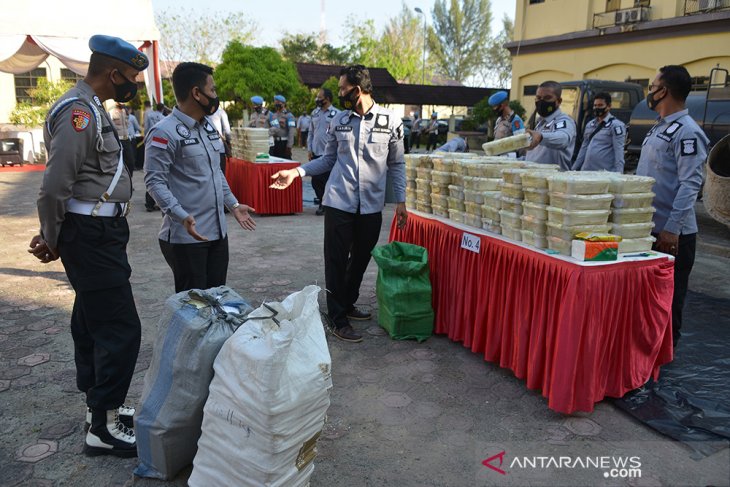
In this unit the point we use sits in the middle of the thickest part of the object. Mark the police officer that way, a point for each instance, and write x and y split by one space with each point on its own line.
508 123
120 120
283 129
322 116
673 153
457 144
364 144
260 116
183 175
433 132
553 139
82 205
604 138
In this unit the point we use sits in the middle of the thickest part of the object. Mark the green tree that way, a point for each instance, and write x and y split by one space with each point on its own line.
364 47
402 47
459 36
304 48
247 71
44 95
496 72
188 35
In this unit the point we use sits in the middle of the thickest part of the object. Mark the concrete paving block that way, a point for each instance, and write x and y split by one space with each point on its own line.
35 452
34 359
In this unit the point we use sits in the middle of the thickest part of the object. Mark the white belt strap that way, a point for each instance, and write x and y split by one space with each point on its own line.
87 207
107 194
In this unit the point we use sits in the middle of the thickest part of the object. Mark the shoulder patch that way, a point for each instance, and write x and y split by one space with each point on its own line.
517 124
561 124
345 119
332 114
80 119
618 130
689 147
159 142
182 131
382 120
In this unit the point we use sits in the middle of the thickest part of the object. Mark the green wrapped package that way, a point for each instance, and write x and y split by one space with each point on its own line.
404 291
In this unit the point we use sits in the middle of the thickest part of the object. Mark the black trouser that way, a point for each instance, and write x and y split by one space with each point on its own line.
319 182
138 152
303 137
432 139
198 265
348 240
104 323
416 137
683 263
128 154
279 148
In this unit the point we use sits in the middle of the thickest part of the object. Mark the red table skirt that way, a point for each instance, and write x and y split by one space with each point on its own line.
576 333
250 183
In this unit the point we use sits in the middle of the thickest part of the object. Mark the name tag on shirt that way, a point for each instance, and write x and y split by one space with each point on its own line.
214 136
380 130
292 123
187 142
343 128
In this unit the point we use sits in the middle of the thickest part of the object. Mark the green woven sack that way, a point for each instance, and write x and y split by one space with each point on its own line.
404 291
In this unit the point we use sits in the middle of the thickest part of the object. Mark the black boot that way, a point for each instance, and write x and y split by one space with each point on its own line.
109 436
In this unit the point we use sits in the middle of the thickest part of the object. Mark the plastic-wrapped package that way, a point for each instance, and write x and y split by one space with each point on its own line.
473 209
442 164
439 188
512 232
564 247
632 200
534 239
507 144
513 205
493 199
630 183
491 225
473 220
481 184
534 225
456 215
512 190
571 218
424 173
535 210
423 207
579 183
423 197
642 244
632 230
439 210
572 202
494 169
441 177
568 232
474 196
536 195
491 213
513 175
632 215
538 178
456 204
423 185
510 219
456 191
439 200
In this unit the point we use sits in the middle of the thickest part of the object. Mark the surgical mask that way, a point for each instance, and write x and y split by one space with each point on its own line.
258 109
348 101
212 106
651 101
126 91
545 108
598 112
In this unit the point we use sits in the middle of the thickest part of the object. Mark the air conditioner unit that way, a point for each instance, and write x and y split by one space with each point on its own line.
708 4
620 17
631 15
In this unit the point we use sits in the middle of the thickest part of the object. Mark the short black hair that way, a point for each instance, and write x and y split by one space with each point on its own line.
358 75
100 64
147 103
677 80
603 96
327 93
186 76
159 107
553 85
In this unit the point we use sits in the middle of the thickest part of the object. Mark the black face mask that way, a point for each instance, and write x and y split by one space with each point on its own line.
319 103
546 108
212 106
126 91
348 101
499 111
258 109
651 101
278 107
598 112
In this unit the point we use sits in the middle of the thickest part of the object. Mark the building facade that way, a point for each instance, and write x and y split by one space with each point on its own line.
618 40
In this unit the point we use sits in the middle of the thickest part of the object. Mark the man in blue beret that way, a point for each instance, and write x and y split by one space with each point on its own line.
82 207
260 116
283 129
508 122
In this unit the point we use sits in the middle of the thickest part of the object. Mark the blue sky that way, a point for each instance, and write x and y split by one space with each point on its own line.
275 17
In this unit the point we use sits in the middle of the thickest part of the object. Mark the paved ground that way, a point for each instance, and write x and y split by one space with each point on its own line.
402 413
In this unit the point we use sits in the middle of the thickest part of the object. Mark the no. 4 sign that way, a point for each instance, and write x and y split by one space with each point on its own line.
470 242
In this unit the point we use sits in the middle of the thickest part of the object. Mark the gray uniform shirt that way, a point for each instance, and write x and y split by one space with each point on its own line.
605 152
151 118
81 163
259 120
673 152
283 126
183 175
558 138
457 144
317 137
361 152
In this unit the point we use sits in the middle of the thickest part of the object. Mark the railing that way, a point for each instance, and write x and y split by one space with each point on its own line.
703 6
623 16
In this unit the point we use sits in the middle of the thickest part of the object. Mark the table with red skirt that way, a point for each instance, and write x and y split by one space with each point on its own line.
577 332
250 183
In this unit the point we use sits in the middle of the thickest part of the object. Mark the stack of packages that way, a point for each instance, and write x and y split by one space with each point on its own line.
268 399
632 212
579 202
423 184
255 144
411 175
512 196
534 204
439 189
237 142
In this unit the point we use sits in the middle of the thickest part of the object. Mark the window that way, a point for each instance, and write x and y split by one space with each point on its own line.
68 75
26 81
620 100
529 90
613 5
532 2
642 3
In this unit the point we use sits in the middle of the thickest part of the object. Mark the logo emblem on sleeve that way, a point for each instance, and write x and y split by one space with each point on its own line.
182 130
689 147
561 124
382 120
80 120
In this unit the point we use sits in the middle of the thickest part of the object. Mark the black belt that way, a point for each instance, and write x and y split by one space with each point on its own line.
279 139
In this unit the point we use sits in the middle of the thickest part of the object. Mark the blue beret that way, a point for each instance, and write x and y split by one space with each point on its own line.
280 98
119 49
257 100
497 98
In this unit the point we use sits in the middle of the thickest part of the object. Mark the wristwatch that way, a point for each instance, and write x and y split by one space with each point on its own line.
235 205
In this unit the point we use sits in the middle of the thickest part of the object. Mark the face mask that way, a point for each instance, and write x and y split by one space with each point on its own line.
499 111
546 108
348 101
278 107
319 103
651 101
212 106
126 91
598 112
258 109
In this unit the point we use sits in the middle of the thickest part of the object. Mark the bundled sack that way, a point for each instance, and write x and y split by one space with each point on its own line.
190 333
268 399
403 289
